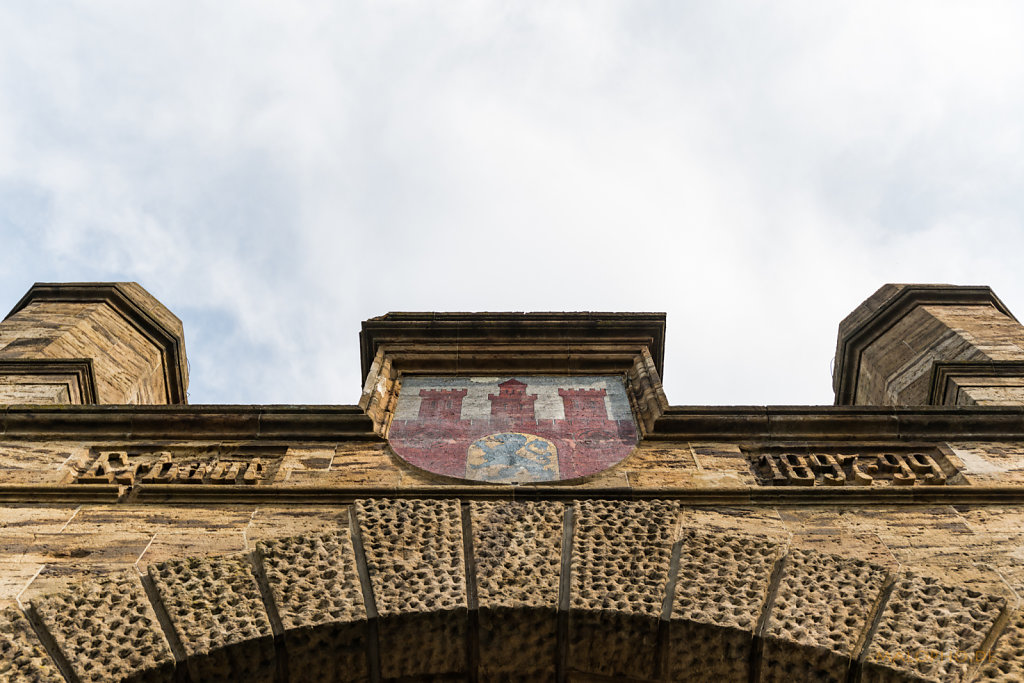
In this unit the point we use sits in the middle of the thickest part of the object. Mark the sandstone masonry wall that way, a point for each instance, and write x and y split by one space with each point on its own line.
648 591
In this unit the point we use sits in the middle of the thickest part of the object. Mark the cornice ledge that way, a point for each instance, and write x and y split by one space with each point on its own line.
521 331
838 423
160 494
235 422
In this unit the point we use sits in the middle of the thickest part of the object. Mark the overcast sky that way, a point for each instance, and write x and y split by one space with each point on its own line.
277 172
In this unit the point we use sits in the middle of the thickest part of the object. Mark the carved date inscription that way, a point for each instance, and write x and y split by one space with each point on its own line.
892 467
205 466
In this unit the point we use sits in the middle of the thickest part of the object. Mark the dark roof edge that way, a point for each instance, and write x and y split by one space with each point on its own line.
177 422
839 423
349 423
580 327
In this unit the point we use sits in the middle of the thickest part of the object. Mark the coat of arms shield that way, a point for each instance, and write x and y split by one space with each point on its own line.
513 429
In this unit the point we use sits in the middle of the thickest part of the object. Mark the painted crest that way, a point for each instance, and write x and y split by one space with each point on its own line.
513 429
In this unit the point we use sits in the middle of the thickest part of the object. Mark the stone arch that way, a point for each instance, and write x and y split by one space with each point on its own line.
588 590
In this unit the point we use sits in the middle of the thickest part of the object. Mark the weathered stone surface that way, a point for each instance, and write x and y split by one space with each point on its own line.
992 462
39 388
82 501
821 612
721 588
108 631
22 657
414 558
315 585
930 630
39 463
270 523
134 345
821 609
1006 661
68 558
656 466
890 348
517 548
218 615
620 564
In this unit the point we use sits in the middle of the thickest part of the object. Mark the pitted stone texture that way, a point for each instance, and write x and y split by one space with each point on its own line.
518 551
821 611
108 631
22 657
620 563
721 589
517 547
1007 660
924 617
217 612
316 589
519 644
414 557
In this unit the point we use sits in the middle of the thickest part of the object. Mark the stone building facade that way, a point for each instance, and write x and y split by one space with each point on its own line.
513 499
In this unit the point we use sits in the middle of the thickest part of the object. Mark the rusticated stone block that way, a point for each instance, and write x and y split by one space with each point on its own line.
517 547
218 614
22 657
318 596
721 589
620 564
414 558
821 612
930 630
1006 662
108 631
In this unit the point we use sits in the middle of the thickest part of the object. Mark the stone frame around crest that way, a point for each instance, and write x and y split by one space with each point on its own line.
629 345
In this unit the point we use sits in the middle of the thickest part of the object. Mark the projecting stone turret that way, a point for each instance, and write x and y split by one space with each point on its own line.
83 343
916 345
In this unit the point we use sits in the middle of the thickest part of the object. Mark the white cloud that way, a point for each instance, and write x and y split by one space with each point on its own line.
277 174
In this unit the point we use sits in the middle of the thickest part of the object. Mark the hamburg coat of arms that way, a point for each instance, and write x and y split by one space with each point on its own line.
513 429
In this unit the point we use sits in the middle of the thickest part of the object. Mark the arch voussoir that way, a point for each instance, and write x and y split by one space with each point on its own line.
821 613
931 630
644 600
217 613
414 560
22 655
517 548
315 587
107 630
621 556
722 588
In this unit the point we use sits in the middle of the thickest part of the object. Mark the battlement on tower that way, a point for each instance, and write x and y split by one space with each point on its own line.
581 393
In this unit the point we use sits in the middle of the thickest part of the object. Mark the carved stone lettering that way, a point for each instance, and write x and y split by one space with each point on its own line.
882 466
229 466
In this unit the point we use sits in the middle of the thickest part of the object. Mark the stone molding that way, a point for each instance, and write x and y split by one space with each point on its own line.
513 344
76 373
421 589
188 423
140 309
882 311
947 377
470 342
677 423
205 494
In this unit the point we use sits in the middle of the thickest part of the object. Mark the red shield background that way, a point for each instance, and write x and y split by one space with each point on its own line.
518 429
